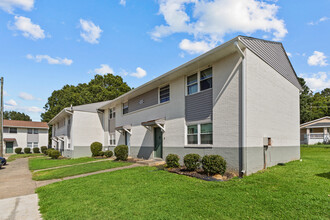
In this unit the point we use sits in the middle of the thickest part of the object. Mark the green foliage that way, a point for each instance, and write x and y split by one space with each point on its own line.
96 148
13 115
55 154
214 164
18 150
191 161
172 161
108 153
27 150
49 151
121 152
101 153
36 150
44 150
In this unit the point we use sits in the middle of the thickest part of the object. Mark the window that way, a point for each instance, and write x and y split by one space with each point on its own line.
164 94
112 113
13 130
192 86
125 108
29 144
200 134
206 79
112 139
35 144
29 130
68 146
36 131
5 130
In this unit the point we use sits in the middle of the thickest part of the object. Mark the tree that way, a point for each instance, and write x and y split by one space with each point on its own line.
13 115
306 96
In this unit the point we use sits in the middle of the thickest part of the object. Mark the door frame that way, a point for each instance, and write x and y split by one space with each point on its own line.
12 147
154 151
127 137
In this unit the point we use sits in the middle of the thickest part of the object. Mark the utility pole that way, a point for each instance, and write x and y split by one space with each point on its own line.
1 120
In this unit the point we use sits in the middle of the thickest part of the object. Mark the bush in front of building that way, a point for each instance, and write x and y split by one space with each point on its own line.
108 153
36 150
49 151
191 161
214 164
18 150
27 150
96 147
172 161
121 152
44 149
101 153
55 154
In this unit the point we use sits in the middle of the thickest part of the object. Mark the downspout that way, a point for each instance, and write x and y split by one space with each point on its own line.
243 112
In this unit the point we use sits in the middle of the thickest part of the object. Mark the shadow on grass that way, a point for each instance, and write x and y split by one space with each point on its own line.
325 175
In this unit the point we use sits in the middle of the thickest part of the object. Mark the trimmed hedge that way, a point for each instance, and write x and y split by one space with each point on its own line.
121 152
172 161
96 147
101 153
54 154
44 150
49 151
18 150
108 153
36 150
27 150
191 161
214 164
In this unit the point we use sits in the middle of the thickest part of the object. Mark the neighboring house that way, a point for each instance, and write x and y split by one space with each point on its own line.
24 134
316 131
74 129
240 100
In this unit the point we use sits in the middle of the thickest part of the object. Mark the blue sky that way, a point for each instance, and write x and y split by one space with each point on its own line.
47 44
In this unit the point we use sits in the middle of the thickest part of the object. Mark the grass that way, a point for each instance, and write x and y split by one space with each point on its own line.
315 145
298 190
76 170
18 156
46 162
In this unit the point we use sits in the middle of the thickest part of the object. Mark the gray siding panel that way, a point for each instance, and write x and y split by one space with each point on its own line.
33 138
199 106
142 101
112 125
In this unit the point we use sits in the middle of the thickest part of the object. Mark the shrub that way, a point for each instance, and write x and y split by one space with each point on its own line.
96 147
214 164
191 161
18 150
121 152
54 154
172 161
49 151
108 153
101 153
44 150
36 150
27 150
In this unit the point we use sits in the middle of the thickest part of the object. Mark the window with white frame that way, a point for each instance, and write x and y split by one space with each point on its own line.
112 113
192 84
29 144
35 144
112 139
199 81
36 131
13 130
206 79
30 130
164 94
125 108
200 134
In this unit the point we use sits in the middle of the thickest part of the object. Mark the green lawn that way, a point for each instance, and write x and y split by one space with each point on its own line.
76 170
46 162
17 156
316 145
298 190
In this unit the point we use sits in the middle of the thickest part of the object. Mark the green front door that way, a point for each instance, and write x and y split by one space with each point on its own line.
9 147
158 143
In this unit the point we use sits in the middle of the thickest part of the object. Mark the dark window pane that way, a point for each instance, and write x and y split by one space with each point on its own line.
192 89
192 79
206 73
192 129
192 139
206 84
206 139
164 94
206 128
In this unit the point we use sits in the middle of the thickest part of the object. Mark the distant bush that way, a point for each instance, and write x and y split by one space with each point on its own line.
18 150
96 147
49 151
214 164
121 152
101 153
108 153
36 150
191 161
54 154
172 161
27 150
44 149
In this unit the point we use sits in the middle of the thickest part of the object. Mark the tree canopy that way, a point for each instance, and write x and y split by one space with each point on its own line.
101 88
13 115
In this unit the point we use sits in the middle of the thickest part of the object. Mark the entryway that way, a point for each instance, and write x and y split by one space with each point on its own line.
9 147
128 142
158 145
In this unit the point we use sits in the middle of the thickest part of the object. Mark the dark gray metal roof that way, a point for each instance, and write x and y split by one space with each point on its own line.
274 55
320 124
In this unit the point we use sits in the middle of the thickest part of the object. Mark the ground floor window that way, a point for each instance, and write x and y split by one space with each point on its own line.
200 134
35 144
112 139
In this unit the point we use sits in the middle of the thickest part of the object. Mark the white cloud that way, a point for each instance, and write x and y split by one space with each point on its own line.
90 32
104 69
210 21
317 59
10 5
318 81
25 109
122 2
140 73
318 21
26 96
50 60
29 29
11 102
195 47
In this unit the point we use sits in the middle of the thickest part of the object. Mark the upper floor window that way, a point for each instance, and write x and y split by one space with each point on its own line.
206 79
35 131
199 81
125 108
112 113
30 130
164 94
192 85
13 130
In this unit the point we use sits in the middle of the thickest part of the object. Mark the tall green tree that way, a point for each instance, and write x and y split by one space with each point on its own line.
306 96
101 88
13 115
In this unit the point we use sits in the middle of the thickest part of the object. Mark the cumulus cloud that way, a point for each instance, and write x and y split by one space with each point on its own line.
10 5
140 73
209 21
26 96
11 102
318 21
90 32
28 29
25 109
317 59
50 60
318 81
122 2
104 69
195 47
